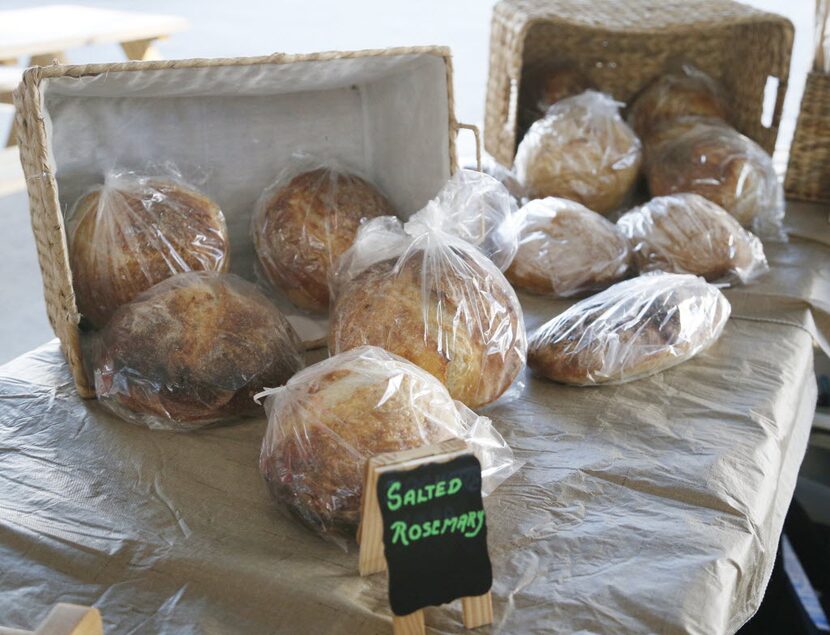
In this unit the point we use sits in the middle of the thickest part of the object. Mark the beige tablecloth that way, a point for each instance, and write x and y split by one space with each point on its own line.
650 507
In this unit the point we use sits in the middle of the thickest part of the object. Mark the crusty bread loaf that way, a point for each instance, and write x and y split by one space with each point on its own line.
686 233
566 249
581 150
333 417
455 316
193 350
718 163
132 232
302 227
631 330
544 85
687 92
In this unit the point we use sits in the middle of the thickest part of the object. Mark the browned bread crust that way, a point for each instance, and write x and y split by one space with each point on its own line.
302 228
192 350
132 233
460 320
566 249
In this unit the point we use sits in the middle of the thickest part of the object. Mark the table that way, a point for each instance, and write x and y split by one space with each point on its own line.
655 506
44 34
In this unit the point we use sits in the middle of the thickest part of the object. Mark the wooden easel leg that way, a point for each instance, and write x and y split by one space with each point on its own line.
412 624
142 50
478 610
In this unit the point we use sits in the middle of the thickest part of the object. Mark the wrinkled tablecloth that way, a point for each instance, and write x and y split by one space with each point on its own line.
655 506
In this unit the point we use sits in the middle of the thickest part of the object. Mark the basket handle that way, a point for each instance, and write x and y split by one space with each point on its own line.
822 17
468 126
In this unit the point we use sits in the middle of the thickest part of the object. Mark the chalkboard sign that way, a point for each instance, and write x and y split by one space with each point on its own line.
434 533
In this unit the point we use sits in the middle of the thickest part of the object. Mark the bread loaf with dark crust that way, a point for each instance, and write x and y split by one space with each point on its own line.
133 232
631 330
194 350
302 228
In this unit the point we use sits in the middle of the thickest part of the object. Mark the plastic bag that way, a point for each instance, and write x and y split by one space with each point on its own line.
504 176
721 164
427 295
634 329
686 91
134 231
192 351
581 150
566 249
686 233
332 417
478 209
305 220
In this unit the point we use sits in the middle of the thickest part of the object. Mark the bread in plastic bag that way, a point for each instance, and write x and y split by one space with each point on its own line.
503 175
686 91
193 350
421 292
329 419
546 84
686 233
134 231
566 249
581 150
633 329
305 220
721 164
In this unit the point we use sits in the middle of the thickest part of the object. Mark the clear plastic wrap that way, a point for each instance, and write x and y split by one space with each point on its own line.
686 233
566 249
306 219
477 208
634 329
135 230
333 416
193 350
504 176
581 150
421 292
685 91
719 163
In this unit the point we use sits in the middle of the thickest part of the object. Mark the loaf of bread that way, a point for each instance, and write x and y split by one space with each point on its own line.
566 249
636 328
546 84
686 233
434 300
193 350
300 228
134 231
686 92
721 165
582 150
332 417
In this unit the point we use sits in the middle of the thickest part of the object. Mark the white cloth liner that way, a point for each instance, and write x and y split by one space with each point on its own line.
230 129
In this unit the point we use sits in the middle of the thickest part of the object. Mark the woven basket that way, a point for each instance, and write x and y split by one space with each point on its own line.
808 168
624 44
46 205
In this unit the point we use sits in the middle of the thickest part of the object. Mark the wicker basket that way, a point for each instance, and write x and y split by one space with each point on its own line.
808 168
623 44
50 186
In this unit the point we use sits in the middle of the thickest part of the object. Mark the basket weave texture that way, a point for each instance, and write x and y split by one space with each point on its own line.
624 44
808 169
44 206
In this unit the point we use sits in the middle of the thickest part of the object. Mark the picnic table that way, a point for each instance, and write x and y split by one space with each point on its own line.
42 36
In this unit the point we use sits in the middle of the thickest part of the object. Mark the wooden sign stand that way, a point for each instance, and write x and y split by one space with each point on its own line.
65 619
477 610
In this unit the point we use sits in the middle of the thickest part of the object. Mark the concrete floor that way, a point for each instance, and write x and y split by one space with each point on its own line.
255 28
